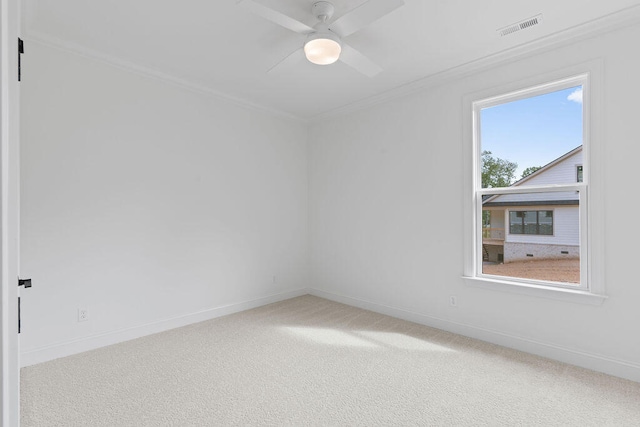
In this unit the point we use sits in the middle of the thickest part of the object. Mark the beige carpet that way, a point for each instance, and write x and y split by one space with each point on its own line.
309 361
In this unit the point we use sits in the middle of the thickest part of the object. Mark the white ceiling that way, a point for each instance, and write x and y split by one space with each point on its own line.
221 47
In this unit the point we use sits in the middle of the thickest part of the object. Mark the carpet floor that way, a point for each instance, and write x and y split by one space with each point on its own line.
309 361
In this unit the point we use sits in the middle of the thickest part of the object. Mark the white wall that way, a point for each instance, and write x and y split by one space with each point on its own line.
143 202
380 178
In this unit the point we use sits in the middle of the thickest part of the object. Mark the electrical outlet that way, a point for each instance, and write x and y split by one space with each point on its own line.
83 315
453 301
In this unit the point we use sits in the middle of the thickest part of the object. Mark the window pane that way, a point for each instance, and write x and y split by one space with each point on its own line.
545 223
525 139
515 222
542 241
531 222
522 140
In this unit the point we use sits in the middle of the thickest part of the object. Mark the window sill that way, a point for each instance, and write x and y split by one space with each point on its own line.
560 294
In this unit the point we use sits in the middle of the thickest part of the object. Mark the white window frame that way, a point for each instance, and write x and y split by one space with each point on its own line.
591 287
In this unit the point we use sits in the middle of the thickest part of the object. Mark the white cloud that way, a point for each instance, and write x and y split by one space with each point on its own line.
576 96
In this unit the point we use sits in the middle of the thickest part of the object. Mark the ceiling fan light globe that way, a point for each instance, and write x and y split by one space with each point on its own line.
322 49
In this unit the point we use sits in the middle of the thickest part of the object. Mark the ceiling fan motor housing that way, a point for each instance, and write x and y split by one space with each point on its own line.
323 10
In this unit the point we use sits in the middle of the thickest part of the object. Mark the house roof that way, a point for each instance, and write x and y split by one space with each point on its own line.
488 200
548 166
567 202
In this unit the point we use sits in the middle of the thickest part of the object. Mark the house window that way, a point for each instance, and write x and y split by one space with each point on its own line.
526 147
531 222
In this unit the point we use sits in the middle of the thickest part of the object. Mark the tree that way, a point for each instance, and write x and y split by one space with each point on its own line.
497 172
528 171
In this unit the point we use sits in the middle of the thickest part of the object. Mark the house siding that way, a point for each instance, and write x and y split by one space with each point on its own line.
564 172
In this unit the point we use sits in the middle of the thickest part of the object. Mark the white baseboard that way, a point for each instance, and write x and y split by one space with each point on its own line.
67 348
607 365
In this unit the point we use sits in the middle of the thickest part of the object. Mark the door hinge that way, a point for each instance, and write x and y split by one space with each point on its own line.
27 284
20 52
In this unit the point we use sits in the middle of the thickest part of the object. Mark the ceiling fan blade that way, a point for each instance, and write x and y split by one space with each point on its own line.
289 62
275 16
363 15
357 60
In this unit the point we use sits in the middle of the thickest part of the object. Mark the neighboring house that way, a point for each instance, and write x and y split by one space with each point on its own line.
541 225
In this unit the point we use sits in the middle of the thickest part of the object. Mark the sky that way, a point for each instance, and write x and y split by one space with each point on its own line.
533 131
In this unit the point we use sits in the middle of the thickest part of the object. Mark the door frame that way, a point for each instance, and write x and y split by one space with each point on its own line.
9 213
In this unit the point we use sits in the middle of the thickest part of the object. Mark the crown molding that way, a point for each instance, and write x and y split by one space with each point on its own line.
49 41
597 27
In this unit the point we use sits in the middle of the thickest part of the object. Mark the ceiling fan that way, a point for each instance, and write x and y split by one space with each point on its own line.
324 45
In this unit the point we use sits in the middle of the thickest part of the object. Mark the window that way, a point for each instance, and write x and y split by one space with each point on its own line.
531 222
527 145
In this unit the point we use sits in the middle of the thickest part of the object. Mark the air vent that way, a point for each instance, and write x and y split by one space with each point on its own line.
522 25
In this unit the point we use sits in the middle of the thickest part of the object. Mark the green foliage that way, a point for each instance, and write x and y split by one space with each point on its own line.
497 172
528 171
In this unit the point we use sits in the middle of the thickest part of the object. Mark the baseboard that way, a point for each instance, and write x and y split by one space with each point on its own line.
67 348
607 365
